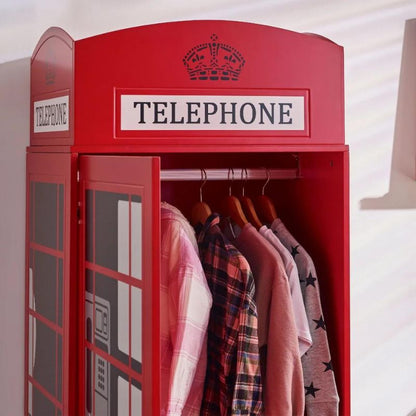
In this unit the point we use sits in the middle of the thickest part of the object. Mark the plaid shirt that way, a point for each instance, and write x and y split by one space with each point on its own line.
233 382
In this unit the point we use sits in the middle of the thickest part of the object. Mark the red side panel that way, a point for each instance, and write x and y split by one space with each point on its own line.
51 98
119 296
50 370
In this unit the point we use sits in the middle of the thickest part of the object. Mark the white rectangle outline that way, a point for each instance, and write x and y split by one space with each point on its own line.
129 115
64 99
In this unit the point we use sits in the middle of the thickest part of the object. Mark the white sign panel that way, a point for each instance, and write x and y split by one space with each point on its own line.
211 112
51 115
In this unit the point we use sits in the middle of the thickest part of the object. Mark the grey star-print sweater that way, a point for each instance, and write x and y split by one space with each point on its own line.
321 396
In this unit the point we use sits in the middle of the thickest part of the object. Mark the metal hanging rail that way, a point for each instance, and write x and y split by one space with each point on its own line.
228 174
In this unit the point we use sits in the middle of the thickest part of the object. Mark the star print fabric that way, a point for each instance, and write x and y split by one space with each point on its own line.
301 320
321 396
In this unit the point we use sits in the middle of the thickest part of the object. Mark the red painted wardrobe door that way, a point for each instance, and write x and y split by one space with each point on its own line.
50 285
119 285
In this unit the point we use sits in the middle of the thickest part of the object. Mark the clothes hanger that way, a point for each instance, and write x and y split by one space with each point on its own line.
248 206
232 206
201 210
264 204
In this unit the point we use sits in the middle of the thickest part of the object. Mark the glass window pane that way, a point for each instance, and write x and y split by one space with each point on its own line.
106 228
111 300
44 285
89 357
136 237
119 392
89 334
123 237
102 396
29 399
41 406
30 283
136 329
112 391
123 302
61 217
44 361
123 397
31 345
89 226
30 289
89 282
59 369
89 275
32 208
136 398
45 214
111 387
60 291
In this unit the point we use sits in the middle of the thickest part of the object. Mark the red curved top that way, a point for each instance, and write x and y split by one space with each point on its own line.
52 75
53 32
194 59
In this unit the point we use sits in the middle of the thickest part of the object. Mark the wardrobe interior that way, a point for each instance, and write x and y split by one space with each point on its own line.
310 203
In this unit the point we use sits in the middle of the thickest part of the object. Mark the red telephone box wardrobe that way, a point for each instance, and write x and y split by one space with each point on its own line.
123 120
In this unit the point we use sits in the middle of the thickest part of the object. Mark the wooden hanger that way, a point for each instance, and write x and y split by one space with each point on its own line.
266 208
232 206
248 207
201 210
264 204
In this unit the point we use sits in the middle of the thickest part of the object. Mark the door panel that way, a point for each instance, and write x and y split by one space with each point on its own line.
50 292
120 201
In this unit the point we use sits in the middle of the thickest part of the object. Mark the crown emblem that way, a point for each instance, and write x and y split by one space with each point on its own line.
50 71
49 75
214 61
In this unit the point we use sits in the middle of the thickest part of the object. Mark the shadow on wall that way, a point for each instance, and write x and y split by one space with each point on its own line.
402 189
14 102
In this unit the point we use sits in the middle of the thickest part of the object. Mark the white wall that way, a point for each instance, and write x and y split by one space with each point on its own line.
14 132
379 118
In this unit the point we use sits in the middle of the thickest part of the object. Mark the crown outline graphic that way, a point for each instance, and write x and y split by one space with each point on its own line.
49 75
215 61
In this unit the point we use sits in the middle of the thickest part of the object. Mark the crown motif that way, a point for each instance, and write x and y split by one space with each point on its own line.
50 67
49 75
214 61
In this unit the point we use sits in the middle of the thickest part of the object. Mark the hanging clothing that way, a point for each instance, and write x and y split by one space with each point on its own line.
233 380
185 303
301 320
280 358
320 389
